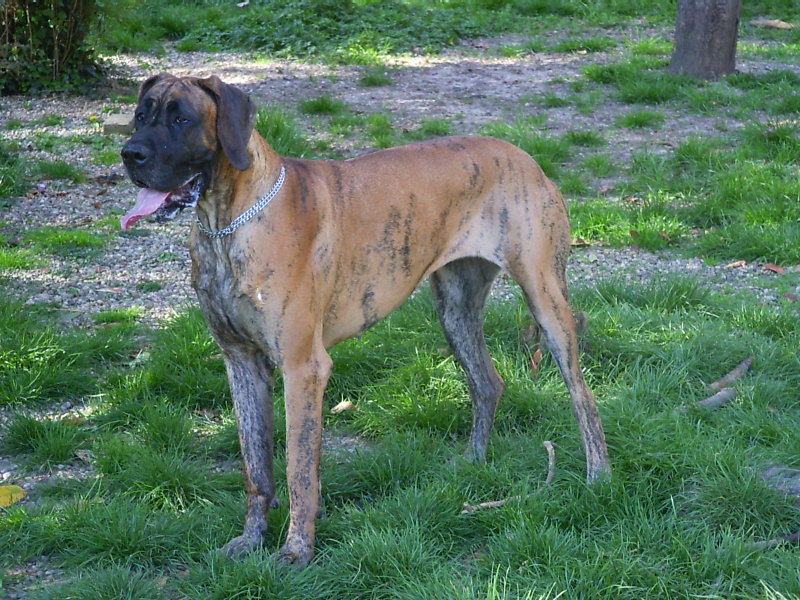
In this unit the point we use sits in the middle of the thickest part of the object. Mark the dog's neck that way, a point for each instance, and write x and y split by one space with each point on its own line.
222 201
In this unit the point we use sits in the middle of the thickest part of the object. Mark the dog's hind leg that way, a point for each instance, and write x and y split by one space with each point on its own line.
459 290
251 380
546 294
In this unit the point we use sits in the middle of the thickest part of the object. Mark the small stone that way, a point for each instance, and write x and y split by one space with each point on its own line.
122 124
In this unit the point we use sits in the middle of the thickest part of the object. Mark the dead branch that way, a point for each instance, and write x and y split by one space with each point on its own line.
774 543
469 509
733 376
551 462
472 508
721 398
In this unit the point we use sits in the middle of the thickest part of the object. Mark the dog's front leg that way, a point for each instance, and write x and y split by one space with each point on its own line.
305 382
250 375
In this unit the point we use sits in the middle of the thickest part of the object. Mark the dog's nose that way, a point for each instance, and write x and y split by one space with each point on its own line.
135 154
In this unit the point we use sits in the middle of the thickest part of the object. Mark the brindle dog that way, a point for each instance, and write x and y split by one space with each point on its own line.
332 247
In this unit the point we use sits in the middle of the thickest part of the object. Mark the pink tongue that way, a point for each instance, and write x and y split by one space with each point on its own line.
147 202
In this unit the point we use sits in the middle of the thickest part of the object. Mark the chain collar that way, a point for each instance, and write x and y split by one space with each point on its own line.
249 213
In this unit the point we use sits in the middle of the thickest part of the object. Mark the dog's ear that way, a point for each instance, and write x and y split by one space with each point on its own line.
235 115
151 81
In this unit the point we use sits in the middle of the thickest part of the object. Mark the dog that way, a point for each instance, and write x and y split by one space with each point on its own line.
291 256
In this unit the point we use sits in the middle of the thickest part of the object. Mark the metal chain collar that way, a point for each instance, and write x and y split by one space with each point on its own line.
249 213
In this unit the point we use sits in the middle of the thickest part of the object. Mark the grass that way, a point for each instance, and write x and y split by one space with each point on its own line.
323 105
282 132
44 443
548 151
60 169
685 492
376 76
12 171
642 119
37 362
66 242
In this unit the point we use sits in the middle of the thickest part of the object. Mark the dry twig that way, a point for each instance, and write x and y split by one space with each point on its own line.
733 376
469 509
721 398
551 461
774 543
472 508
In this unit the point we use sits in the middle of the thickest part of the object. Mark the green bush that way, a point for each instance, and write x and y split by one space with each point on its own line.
42 44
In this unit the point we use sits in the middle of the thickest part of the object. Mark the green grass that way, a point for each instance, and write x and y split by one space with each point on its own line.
282 132
51 120
379 131
548 151
641 119
323 105
376 76
66 242
43 442
37 362
122 315
60 169
12 171
430 128
585 137
685 492
106 158
353 31
585 44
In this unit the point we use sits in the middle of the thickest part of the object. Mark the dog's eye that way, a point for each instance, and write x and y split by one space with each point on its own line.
140 116
180 120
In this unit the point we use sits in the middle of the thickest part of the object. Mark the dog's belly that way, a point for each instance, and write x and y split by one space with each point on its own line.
363 304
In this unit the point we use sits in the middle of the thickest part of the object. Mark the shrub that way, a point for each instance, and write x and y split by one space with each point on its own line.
43 44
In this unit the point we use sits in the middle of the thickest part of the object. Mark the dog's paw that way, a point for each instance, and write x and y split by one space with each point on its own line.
241 545
294 557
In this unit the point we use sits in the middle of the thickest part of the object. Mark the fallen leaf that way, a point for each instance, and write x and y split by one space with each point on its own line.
664 236
580 242
11 494
737 264
536 359
343 406
791 296
607 188
634 233
774 268
772 23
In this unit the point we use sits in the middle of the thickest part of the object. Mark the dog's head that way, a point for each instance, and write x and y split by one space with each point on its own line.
184 126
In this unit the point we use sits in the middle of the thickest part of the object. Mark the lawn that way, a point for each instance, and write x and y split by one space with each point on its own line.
123 430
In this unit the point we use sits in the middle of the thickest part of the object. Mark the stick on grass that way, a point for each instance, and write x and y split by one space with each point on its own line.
775 542
721 398
469 509
733 376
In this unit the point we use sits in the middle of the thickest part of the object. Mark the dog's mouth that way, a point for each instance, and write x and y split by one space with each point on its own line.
165 205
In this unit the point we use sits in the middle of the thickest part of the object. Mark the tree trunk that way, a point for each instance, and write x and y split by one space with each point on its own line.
705 38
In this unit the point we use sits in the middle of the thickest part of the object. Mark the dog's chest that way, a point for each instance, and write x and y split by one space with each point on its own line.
230 311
